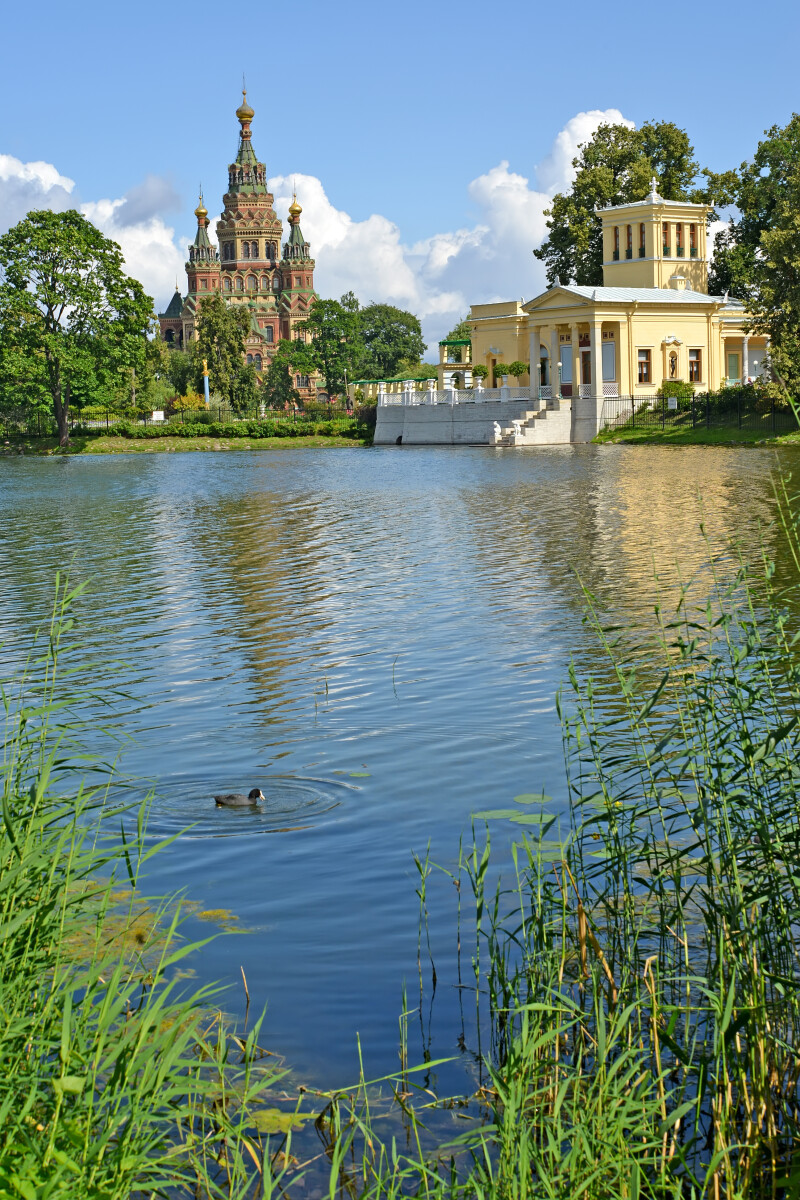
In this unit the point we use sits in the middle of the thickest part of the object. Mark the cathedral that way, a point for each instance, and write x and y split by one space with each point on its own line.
249 268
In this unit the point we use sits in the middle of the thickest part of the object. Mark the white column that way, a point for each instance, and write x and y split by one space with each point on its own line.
555 358
534 358
595 342
745 358
576 358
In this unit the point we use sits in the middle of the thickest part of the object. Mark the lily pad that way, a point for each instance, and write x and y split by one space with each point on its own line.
360 774
531 798
533 819
496 814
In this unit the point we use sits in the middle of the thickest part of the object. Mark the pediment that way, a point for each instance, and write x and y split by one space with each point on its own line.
556 297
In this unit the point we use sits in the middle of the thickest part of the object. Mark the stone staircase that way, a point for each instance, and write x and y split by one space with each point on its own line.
550 424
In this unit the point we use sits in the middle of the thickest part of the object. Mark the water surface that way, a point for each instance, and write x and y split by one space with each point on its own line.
373 637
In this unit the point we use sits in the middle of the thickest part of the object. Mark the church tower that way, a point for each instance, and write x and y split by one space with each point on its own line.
202 271
297 268
250 269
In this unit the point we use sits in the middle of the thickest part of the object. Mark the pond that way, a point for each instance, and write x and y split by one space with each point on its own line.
376 639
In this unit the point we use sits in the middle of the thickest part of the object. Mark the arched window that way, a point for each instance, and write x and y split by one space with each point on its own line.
693 242
258 362
254 249
629 243
249 359
269 333
679 240
169 337
245 249
265 283
252 283
616 242
239 284
276 282
641 240
226 284
665 239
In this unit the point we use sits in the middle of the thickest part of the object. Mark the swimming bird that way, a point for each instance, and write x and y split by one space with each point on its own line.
237 800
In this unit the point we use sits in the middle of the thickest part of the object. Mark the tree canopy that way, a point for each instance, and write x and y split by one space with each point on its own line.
221 331
616 167
757 257
70 318
389 335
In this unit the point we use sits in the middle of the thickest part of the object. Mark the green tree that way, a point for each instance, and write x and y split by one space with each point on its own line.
221 332
757 257
461 331
389 336
336 343
616 167
66 303
182 368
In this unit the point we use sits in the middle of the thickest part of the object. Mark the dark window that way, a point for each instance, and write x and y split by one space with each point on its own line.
269 333
644 366
695 366
245 249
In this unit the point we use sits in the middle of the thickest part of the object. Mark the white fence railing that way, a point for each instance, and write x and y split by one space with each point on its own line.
411 399
451 396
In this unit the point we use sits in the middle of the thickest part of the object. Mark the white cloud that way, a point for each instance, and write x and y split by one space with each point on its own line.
149 247
437 278
24 186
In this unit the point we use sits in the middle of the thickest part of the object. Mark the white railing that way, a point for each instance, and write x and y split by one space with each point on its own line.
412 399
610 390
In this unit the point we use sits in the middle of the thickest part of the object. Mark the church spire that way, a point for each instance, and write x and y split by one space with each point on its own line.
247 174
201 249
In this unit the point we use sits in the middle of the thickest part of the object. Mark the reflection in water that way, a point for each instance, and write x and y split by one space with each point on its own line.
379 636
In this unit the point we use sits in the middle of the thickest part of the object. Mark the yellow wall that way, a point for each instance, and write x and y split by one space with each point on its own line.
655 268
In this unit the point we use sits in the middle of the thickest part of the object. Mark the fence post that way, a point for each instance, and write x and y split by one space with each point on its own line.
773 416
708 410
633 412
663 413
739 407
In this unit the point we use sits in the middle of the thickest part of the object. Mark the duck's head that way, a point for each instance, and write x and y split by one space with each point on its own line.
256 794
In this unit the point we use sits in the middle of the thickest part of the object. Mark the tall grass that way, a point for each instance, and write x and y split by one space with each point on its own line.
116 1079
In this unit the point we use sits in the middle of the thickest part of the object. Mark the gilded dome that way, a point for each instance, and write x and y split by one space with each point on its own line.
244 112
294 207
201 212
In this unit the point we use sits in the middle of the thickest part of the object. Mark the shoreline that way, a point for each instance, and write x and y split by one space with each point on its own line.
49 447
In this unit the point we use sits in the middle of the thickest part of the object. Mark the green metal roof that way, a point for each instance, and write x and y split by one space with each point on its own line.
456 342
175 306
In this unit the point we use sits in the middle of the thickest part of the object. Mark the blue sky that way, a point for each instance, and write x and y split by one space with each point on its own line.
394 112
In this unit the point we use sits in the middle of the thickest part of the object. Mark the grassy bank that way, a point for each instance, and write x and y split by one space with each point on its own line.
80 444
694 437
630 995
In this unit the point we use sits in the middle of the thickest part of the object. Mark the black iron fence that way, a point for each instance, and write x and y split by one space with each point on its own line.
742 411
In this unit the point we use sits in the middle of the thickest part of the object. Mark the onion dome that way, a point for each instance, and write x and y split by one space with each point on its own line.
201 212
294 207
244 112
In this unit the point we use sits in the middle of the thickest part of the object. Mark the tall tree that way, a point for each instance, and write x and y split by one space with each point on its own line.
67 304
389 336
616 167
335 332
757 257
221 331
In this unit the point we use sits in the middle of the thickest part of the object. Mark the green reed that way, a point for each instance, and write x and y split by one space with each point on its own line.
116 1079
